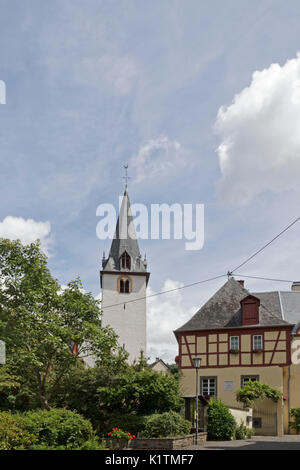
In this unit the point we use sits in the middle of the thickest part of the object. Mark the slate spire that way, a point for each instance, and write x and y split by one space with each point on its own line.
125 240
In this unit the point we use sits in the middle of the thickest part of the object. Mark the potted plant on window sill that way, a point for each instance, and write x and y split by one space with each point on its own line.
257 351
234 351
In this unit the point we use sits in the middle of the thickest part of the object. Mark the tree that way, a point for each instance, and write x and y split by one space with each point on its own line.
140 391
39 321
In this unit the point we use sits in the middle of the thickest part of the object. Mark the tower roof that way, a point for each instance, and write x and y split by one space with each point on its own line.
125 240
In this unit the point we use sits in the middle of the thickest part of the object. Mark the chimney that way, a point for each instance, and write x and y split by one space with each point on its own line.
241 281
296 286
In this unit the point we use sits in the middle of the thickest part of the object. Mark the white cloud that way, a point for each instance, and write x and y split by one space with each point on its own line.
27 231
260 138
159 157
165 314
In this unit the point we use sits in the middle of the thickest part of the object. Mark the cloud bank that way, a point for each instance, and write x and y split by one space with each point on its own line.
260 138
27 231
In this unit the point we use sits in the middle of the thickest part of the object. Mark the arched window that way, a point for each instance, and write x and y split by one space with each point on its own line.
124 286
125 261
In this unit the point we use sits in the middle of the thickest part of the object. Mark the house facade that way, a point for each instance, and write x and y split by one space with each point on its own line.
242 336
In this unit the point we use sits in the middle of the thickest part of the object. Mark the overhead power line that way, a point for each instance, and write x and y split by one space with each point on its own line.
265 246
165 291
229 273
264 278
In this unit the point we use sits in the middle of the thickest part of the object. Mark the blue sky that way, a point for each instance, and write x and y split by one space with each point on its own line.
90 83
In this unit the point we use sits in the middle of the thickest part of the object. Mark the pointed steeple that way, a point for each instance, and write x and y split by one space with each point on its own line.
124 241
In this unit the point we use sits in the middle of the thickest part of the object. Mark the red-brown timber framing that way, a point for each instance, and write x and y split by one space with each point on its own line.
235 332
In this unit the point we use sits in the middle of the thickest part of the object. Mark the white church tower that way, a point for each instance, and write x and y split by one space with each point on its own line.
124 278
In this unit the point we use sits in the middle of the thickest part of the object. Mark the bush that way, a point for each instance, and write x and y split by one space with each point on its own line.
221 424
57 427
241 431
169 424
295 423
131 422
13 435
91 444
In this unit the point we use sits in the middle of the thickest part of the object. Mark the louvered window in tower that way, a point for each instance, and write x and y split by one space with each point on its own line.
125 261
124 286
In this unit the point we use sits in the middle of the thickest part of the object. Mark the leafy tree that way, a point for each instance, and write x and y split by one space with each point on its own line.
39 321
142 392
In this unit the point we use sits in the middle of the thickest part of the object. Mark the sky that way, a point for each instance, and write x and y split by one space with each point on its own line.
201 99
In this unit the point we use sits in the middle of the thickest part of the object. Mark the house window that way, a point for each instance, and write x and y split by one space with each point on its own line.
125 261
124 286
234 343
257 342
257 423
248 378
208 386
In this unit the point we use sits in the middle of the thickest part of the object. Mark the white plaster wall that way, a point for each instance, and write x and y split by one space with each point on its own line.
130 322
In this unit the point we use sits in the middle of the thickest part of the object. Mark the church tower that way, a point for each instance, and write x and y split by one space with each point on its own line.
124 278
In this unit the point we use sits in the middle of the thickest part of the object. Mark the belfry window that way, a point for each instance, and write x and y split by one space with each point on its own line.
125 261
124 286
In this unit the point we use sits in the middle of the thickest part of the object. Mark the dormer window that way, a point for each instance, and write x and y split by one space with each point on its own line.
250 310
125 261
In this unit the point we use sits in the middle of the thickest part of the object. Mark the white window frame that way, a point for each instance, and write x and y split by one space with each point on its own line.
254 342
234 343
211 385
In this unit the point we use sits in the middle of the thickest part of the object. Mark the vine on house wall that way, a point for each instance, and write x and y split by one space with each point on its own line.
254 390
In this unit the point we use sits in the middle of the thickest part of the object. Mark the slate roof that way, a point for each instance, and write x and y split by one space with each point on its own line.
286 305
223 310
125 240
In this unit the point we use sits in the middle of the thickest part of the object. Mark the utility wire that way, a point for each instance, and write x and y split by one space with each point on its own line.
229 273
164 292
265 246
264 278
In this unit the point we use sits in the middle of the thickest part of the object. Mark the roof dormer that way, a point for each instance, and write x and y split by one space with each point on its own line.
125 261
250 310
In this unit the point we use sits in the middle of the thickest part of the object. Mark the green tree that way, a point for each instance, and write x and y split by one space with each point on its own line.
39 321
141 391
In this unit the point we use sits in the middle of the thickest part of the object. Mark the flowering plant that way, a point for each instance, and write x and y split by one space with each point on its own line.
117 433
257 350
234 351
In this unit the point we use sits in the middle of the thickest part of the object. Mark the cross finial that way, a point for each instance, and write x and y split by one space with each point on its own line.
126 177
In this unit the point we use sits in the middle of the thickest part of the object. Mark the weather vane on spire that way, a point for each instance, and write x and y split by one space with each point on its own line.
126 177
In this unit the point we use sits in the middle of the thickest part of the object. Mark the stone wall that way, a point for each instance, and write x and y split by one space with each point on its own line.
167 443
157 443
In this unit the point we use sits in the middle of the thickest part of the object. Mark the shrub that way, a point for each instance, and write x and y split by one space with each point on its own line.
91 444
57 427
221 424
295 422
13 436
131 422
169 424
241 431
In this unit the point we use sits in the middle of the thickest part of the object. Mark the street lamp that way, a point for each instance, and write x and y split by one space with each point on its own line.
197 364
